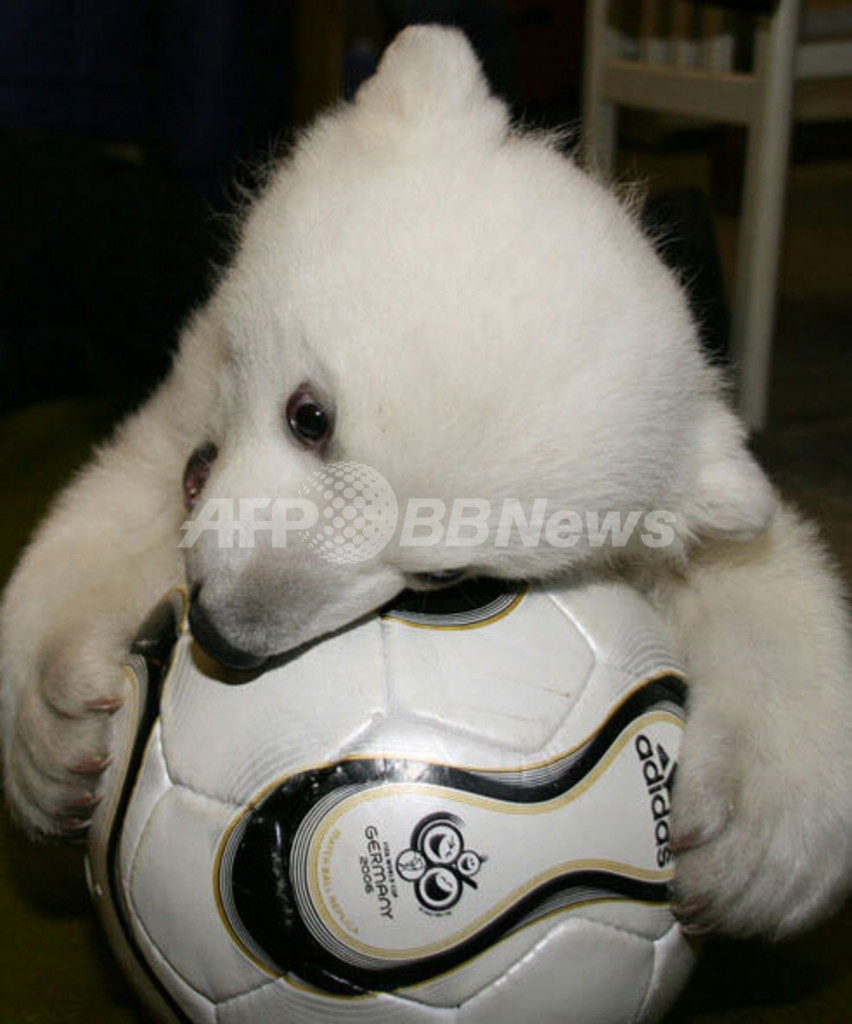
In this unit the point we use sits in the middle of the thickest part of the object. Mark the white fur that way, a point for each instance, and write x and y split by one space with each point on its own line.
488 322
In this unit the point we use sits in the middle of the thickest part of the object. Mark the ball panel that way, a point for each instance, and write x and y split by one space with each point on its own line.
455 987
600 971
152 784
195 1005
674 959
171 895
306 710
509 681
411 738
645 919
281 1001
621 627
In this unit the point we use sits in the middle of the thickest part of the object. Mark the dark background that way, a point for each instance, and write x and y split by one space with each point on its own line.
121 127
129 131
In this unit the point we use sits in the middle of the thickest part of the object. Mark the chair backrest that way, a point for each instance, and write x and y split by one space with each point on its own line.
825 48
719 36
678 33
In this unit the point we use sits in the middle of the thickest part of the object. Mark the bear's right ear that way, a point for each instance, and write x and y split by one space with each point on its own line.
429 76
727 495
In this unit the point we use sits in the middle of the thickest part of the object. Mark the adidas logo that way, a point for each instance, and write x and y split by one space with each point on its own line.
658 771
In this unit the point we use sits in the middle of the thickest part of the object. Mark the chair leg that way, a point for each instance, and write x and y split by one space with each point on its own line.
763 211
599 115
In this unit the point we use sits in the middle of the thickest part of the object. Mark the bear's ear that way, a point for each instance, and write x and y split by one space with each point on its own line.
430 76
727 494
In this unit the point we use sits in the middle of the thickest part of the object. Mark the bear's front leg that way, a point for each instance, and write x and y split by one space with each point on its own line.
105 553
763 803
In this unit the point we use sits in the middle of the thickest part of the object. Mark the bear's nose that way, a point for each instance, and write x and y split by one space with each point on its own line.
208 636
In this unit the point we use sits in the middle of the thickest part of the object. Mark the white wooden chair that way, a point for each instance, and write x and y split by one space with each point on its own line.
679 57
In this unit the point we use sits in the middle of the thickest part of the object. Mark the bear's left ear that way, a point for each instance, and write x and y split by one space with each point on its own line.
726 494
429 76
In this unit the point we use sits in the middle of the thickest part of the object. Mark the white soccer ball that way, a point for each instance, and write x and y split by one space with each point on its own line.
456 811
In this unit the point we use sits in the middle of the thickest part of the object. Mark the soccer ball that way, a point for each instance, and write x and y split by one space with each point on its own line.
457 810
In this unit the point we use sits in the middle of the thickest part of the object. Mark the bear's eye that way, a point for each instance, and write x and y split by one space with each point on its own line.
309 420
197 471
